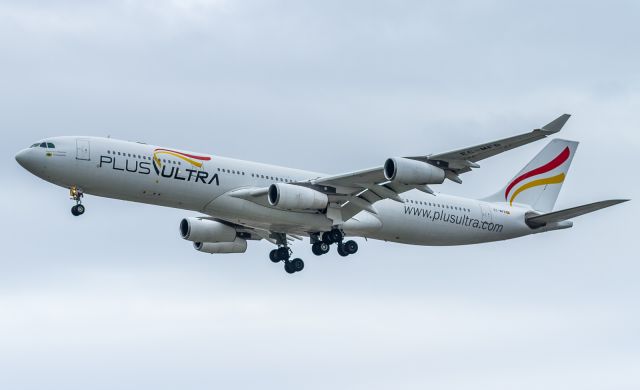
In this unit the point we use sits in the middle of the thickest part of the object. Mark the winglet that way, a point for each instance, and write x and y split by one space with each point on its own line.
555 125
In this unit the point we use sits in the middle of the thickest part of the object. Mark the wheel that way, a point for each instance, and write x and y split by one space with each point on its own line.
297 264
288 267
323 247
320 248
350 247
80 209
341 250
336 235
74 211
283 253
273 256
326 238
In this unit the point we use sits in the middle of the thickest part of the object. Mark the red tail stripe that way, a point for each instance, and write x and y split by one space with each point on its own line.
556 162
203 158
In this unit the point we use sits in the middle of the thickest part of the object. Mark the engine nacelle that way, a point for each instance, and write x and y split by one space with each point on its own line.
412 172
205 230
292 197
237 246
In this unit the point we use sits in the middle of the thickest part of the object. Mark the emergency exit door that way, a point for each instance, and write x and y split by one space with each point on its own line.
83 151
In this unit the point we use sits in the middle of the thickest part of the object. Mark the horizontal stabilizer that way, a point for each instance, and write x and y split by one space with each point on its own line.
537 221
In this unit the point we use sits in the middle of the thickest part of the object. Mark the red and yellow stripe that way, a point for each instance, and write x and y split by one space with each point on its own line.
551 165
557 179
190 158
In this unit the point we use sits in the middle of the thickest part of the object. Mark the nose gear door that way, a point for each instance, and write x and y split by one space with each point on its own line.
83 149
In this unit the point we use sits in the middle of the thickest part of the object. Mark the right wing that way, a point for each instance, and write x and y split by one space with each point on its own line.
359 190
462 160
355 191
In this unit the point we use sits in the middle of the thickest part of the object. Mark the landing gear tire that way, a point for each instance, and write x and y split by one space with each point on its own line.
288 267
336 235
341 250
283 253
297 264
320 248
273 256
326 238
77 210
350 247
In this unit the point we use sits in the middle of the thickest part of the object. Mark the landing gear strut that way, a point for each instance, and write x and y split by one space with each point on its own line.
76 195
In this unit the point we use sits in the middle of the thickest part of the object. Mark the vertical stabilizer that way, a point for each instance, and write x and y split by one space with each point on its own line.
538 184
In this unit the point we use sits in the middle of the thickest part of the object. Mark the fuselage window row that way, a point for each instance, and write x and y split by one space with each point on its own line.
422 203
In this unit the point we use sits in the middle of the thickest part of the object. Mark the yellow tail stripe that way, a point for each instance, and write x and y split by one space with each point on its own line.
540 182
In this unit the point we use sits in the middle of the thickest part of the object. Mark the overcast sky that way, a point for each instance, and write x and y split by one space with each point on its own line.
115 299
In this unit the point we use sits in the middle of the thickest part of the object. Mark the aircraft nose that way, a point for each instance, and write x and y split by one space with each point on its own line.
21 157
25 159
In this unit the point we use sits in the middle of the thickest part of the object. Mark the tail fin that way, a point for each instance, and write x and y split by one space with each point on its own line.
539 182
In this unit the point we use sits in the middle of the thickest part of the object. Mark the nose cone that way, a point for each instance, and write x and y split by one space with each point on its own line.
22 158
26 159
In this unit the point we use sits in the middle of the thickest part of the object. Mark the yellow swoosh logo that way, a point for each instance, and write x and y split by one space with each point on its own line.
540 182
187 159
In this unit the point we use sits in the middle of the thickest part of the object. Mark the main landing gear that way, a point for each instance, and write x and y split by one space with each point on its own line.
76 195
335 236
321 245
283 253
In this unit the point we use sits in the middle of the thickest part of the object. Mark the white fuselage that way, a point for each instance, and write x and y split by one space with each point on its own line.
126 170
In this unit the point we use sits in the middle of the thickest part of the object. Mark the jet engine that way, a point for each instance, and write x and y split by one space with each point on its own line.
237 246
412 172
206 230
293 197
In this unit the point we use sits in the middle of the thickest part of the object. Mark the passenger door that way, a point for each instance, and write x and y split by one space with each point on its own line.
486 213
83 149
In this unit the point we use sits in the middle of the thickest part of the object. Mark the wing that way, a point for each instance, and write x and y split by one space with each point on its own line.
462 160
359 190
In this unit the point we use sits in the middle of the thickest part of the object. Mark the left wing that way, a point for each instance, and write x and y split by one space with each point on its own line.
359 190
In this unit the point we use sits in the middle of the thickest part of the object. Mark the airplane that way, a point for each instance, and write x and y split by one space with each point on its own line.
242 201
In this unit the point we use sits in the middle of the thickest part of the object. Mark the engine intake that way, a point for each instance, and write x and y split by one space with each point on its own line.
406 171
205 230
293 197
237 246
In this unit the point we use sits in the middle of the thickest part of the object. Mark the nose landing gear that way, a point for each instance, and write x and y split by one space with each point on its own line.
76 195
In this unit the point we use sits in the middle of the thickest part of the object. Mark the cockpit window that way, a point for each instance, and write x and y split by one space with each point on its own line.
43 145
50 145
35 145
